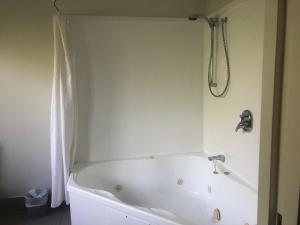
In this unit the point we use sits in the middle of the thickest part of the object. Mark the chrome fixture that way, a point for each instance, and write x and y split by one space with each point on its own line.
214 159
246 122
56 7
215 167
214 23
217 157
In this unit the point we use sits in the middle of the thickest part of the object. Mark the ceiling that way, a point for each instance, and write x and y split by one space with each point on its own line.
134 8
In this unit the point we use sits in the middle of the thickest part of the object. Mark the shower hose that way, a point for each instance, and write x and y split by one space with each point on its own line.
211 83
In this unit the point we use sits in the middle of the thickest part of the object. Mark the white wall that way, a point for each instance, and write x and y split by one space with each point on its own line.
133 8
213 5
221 115
140 86
25 87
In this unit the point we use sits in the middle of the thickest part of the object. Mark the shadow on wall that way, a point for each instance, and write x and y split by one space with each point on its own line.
82 74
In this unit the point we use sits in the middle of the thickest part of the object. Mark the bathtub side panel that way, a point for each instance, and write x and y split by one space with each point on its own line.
236 202
85 211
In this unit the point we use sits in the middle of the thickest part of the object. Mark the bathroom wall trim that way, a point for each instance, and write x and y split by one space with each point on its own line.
271 110
277 103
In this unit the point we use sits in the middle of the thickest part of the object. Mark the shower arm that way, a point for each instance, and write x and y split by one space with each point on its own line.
211 22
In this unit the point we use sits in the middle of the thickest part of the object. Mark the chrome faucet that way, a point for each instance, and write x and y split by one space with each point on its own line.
239 126
246 121
217 157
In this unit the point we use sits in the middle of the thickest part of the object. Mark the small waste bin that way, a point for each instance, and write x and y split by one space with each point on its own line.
36 202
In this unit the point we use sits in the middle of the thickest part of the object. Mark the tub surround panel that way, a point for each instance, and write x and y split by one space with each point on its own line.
141 82
140 86
221 115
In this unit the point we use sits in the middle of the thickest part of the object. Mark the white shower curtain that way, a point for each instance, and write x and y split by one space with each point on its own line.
63 114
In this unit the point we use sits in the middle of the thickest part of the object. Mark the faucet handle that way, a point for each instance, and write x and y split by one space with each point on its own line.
246 121
240 125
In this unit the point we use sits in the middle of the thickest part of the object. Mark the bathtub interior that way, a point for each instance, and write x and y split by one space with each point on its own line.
181 188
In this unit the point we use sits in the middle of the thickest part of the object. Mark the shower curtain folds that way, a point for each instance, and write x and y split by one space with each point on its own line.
63 133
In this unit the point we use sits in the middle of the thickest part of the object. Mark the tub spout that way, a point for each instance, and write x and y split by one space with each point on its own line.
217 157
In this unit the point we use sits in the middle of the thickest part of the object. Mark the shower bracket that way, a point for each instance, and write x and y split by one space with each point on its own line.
216 21
213 84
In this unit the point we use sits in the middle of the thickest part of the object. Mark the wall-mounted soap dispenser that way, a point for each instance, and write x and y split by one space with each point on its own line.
246 122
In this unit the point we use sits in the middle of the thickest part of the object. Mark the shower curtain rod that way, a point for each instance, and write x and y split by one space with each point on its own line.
56 7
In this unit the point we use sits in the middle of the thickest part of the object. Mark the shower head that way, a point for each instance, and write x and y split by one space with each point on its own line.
211 21
195 17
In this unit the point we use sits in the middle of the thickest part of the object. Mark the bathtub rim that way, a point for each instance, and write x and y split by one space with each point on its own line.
237 177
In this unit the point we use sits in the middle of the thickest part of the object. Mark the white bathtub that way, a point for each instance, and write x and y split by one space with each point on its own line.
160 190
